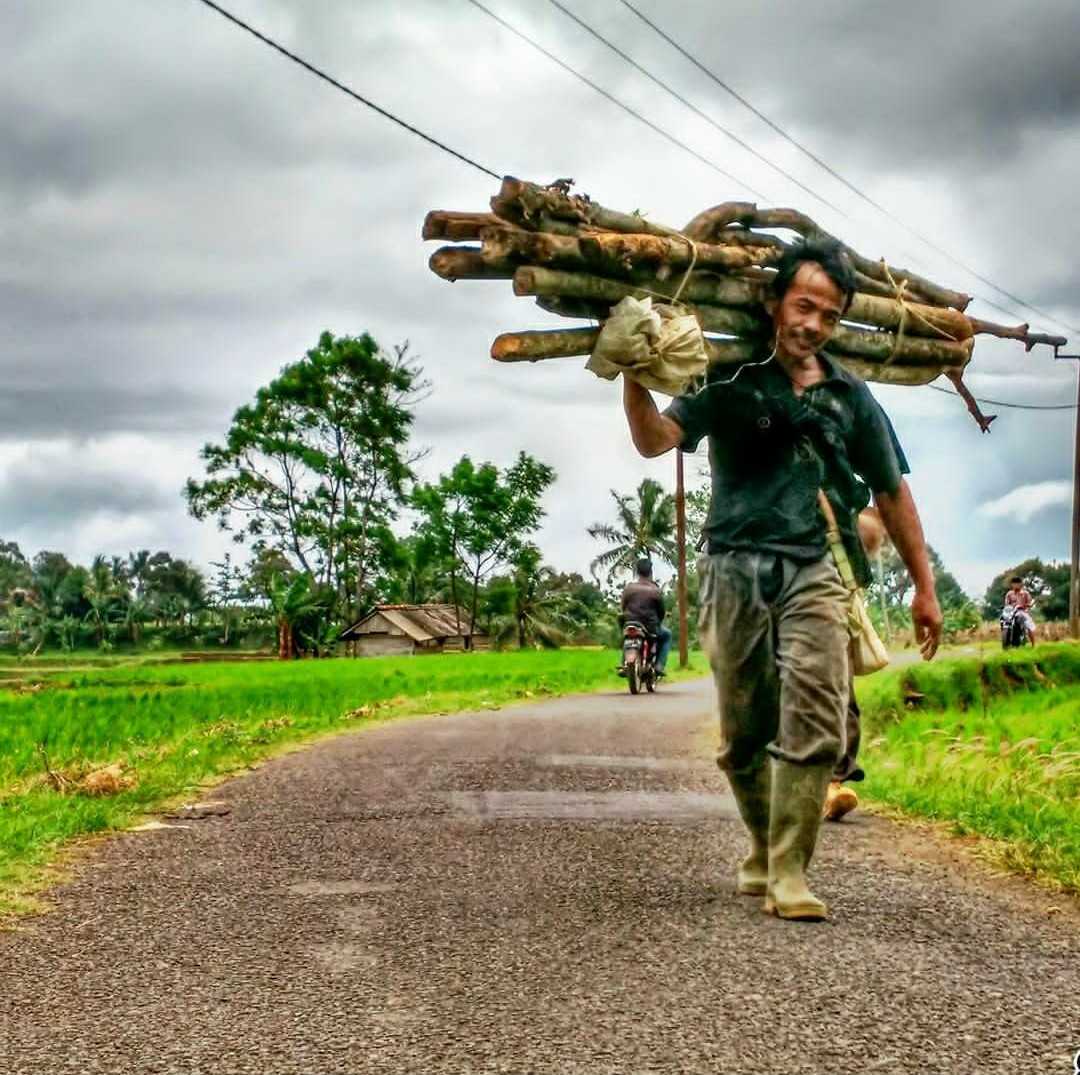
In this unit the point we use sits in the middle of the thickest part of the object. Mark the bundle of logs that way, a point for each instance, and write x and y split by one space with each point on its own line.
578 259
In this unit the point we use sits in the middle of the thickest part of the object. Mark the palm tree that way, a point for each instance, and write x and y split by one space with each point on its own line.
291 600
645 527
530 605
101 592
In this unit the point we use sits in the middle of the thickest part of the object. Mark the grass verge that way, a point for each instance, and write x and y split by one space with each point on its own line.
146 734
989 746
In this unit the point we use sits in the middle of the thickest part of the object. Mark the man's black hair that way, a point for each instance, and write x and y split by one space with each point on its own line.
1016 578
827 253
644 567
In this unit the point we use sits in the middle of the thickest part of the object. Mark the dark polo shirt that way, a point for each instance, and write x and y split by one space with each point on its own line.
770 451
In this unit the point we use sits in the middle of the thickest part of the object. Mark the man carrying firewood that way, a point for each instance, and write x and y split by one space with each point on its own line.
773 606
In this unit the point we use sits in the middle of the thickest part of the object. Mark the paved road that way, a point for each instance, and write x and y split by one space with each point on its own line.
542 889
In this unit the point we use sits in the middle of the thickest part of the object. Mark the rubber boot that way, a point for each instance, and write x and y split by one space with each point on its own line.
798 794
751 790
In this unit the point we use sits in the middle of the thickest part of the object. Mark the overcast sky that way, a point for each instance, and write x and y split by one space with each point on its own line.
182 211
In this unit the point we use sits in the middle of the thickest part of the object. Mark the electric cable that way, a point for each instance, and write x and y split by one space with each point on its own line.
345 89
850 186
614 100
1012 406
693 108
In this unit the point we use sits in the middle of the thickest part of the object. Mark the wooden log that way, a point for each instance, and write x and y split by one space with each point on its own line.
1016 332
635 252
909 351
705 225
535 280
937 322
459 227
887 374
526 204
581 309
534 346
467 263
577 342
512 245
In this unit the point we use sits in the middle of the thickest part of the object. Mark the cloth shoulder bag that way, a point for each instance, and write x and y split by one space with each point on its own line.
866 651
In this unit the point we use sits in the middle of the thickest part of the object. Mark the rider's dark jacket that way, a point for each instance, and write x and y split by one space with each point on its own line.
642 603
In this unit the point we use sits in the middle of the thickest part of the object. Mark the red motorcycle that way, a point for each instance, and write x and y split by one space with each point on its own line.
638 658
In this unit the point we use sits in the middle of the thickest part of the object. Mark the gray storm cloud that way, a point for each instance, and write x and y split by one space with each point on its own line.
182 212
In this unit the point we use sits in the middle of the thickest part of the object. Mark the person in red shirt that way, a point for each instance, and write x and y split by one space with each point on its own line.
1018 596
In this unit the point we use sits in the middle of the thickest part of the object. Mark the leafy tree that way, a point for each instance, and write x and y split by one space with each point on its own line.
529 605
477 519
892 577
645 527
225 593
317 466
15 570
416 572
1048 584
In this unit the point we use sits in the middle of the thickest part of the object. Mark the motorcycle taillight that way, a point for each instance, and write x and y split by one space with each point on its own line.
632 632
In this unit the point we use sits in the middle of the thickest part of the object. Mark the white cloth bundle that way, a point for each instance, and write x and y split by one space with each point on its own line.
660 347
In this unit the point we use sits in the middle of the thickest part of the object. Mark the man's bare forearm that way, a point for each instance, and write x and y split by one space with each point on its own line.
652 432
901 519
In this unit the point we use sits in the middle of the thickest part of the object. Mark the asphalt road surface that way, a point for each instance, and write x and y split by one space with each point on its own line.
540 889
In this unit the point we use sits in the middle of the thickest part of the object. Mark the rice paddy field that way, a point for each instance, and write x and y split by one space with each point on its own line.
91 746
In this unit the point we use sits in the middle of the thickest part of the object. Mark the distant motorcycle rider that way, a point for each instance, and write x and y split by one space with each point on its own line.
643 603
1018 597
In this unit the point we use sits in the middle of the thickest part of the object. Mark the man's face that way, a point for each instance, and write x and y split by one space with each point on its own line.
1015 585
808 313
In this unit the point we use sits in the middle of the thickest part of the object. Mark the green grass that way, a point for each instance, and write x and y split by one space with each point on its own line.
177 727
989 746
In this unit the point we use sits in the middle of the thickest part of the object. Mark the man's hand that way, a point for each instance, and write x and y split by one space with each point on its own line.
926 619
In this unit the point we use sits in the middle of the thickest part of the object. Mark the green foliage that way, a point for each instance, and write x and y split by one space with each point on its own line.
990 746
528 607
476 519
645 526
317 467
1048 584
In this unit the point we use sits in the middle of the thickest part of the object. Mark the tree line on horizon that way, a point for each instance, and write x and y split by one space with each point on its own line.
316 480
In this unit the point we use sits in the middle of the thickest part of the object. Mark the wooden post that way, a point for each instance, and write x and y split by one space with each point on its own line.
680 536
881 596
1074 577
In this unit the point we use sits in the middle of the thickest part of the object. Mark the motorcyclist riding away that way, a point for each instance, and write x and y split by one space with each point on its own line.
642 603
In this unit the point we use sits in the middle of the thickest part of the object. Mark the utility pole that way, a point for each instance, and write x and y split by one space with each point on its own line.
680 538
1074 575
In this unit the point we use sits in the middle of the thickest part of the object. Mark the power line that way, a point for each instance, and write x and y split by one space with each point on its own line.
693 108
850 186
345 89
613 99
1013 406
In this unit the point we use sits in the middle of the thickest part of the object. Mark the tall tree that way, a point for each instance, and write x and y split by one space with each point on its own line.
1048 584
15 570
317 466
477 518
529 606
645 526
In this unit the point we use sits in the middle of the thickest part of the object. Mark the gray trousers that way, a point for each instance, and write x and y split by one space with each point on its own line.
776 635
